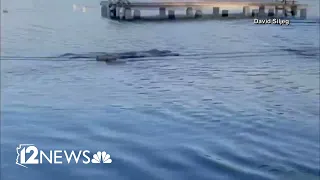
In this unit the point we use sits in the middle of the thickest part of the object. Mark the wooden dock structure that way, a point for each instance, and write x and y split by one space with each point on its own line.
128 11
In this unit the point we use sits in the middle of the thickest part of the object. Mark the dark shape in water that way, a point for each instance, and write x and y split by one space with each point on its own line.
102 56
135 54
305 52
5 11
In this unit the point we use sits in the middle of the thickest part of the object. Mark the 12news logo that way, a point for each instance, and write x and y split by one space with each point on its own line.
28 154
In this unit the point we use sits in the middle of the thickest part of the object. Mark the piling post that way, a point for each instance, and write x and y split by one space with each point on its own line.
162 12
215 11
285 12
198 14
246 10
276 10
254 13
270 12
118 9
171 14
105 11
261 11
136 14
189 12
127 14
224 13
303 13
294 10
122 13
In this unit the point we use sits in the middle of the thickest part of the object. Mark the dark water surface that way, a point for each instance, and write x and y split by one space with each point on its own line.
240 102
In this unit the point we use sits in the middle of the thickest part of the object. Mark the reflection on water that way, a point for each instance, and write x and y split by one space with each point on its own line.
241 101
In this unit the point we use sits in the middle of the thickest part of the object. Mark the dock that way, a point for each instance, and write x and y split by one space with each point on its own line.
125 10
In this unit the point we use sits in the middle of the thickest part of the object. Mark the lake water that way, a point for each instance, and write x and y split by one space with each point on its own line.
240 102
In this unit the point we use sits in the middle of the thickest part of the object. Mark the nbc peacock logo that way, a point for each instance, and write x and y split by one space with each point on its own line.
101 157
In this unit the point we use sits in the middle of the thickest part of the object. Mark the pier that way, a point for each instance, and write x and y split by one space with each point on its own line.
128 11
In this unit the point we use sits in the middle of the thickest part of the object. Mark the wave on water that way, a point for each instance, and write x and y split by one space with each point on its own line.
99 56
306 52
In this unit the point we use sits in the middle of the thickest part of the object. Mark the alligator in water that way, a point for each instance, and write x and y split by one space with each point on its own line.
135 54
107 57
